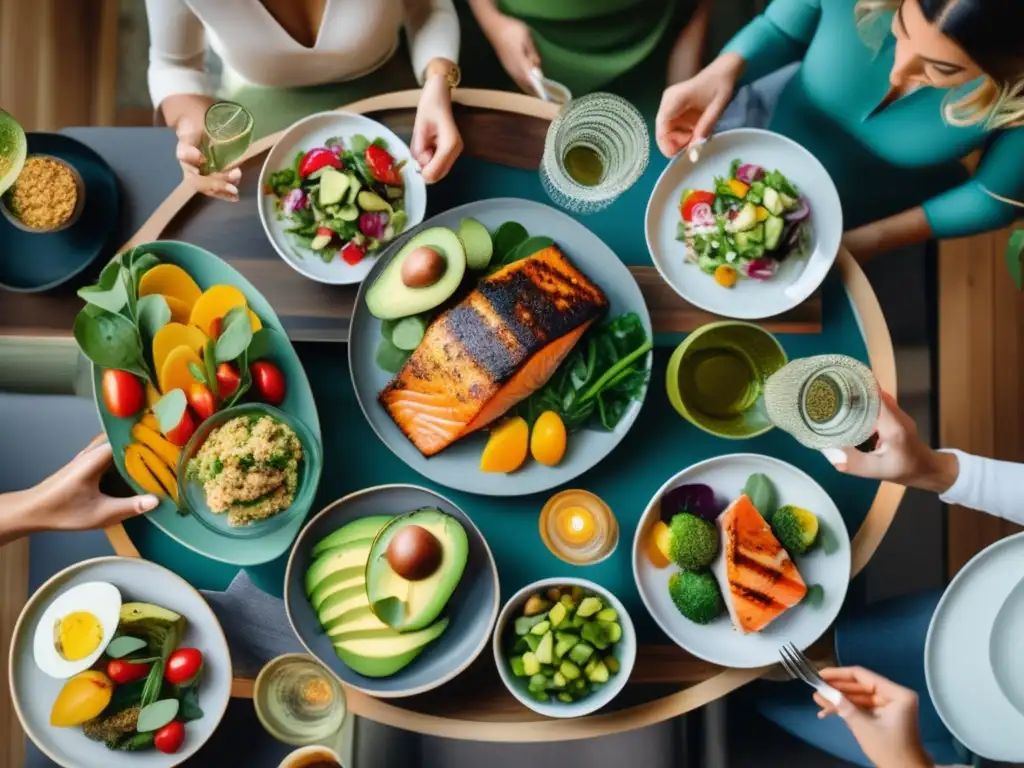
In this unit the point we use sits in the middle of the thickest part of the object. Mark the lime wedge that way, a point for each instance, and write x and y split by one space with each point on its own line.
226 121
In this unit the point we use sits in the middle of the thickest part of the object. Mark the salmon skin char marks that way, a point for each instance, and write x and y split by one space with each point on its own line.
497 346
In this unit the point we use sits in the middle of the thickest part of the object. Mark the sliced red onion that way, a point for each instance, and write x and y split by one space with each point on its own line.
294 201
697 499
748 173
373 224
337 149
702 214
762 269
800 213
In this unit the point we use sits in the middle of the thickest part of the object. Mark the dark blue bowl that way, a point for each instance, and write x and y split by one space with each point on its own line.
39 261
471 611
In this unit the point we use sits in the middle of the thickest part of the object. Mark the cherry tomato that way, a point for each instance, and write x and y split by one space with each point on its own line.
202 401
123 671
352 253
382 166
318 158
693 199
180 434
169 738
269 381
122 393
227 380
216 326
183 665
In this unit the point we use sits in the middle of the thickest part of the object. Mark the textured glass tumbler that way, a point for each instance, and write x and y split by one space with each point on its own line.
607 126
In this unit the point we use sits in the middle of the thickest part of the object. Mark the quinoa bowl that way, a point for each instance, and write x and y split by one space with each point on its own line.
48 195
248 470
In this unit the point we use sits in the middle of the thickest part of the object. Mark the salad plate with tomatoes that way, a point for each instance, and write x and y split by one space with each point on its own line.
335 190
748 231
177 338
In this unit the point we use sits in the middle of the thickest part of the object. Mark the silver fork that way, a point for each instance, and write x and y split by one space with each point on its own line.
799 667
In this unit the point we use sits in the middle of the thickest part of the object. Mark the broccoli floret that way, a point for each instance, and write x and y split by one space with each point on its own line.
112 728
795 528
694 541
696 595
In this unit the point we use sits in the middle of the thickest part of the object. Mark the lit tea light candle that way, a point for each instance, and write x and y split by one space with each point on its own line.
578 527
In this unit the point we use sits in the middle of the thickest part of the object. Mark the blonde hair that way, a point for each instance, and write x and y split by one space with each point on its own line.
998 105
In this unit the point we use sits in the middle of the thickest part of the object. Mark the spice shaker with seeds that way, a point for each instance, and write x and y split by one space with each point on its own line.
827 401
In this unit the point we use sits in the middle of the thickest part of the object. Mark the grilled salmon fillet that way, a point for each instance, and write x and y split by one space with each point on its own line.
491 350
759 580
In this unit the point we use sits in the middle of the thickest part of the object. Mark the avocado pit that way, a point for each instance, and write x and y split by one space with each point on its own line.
422 267
414 553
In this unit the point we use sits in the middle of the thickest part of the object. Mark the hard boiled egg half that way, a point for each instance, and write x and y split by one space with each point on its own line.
76 628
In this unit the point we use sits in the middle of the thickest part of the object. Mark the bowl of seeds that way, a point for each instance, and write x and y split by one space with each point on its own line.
47 196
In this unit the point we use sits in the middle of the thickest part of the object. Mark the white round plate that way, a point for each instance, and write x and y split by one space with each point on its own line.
796 279
802 625
312 132
33 692
969 659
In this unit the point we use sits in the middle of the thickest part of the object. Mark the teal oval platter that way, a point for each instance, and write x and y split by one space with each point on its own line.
207 269
38 261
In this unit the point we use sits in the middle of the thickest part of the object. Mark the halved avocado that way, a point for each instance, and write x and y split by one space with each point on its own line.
478 243
13 149
412 605
364 527
337 581
356 620
379 653
390 298
340 603
351 554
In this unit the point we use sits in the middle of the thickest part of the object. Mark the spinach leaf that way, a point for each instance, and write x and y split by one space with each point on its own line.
1015 258
111 292
815 596
140 264
210 367
197 372
169 409
236 335
259 347
153 314
110 340
358 143
506 237
189 698
762 494
528 247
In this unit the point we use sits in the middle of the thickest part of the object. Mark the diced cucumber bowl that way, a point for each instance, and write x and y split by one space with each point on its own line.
564 647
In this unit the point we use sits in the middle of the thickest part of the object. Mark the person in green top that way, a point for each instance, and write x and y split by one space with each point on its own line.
586 44
890 96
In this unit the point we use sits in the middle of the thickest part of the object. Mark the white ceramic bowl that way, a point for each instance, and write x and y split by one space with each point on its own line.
718 642
312 132
625 652
797 279
34 692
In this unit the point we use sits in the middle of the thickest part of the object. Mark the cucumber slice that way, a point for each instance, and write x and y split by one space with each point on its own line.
478 243
773 228
333 186
408 332
773 202
389 357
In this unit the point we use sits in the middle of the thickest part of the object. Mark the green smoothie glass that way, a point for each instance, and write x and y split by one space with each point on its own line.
227 135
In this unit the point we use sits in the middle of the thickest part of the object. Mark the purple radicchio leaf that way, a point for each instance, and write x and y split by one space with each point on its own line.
697 499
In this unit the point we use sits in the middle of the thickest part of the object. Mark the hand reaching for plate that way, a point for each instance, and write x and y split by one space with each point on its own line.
690 109
70 499
881 715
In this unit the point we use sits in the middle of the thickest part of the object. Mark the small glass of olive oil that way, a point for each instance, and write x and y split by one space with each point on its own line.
298 701
596 148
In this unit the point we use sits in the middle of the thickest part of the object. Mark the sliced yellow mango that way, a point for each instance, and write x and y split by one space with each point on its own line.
170 281
179 310
175 335
215 302
162 472
158 444
148 418
139 472
507 446
152 397
175 373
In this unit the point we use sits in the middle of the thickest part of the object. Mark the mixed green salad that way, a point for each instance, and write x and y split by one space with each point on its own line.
752 221
341 200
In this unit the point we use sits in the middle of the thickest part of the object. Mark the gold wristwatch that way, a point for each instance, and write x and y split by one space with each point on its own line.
449 69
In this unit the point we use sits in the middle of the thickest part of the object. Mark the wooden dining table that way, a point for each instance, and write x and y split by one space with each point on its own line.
507 130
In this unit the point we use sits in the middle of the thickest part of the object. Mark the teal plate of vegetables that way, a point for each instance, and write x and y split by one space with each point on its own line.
750 230
156 680
738 554
500 348
334 191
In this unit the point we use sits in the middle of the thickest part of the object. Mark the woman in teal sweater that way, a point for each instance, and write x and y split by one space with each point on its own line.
891 97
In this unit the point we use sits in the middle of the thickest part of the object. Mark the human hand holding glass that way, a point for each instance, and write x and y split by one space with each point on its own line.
690 109
881 715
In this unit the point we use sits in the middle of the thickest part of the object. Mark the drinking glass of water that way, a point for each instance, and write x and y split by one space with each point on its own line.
227 135
595 150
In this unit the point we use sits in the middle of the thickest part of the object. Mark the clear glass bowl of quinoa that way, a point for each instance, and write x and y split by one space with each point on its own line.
249 469
48 195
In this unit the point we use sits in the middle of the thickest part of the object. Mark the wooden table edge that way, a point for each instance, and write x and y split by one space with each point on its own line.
881 357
